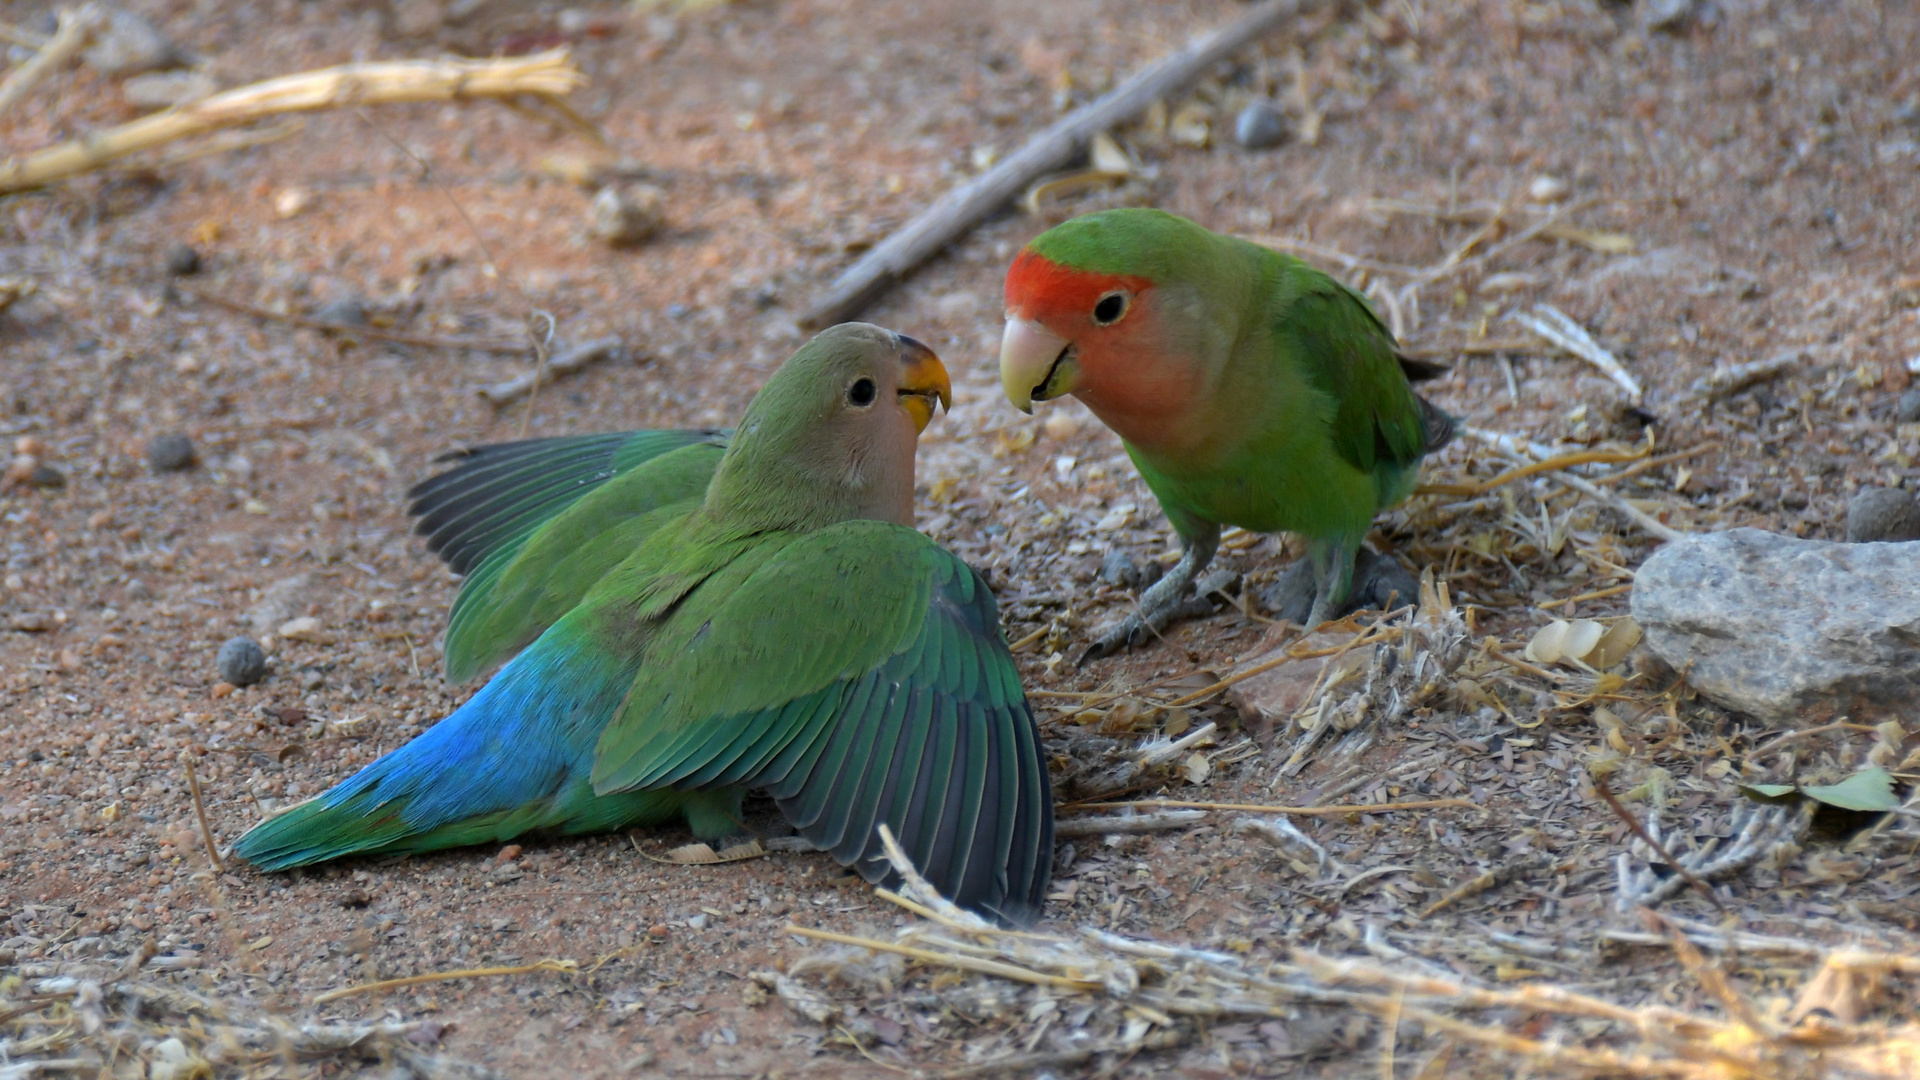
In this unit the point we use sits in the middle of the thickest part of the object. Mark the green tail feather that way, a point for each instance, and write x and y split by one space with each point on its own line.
314 832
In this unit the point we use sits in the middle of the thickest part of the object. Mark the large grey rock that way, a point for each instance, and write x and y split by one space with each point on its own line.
1780 628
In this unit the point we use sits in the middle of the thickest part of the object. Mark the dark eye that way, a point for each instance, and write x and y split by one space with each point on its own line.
1110 308
861 392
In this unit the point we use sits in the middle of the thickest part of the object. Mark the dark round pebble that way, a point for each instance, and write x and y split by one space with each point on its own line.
169 452
242 662
182 261
1908 411
344 312
1259 127
1883 514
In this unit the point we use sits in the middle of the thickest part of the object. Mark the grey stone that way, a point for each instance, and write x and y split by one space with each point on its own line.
347 311
1259 126
170 452
242 661
1908 411
1665 14
1778 627
183 260
130 44
624 216
1883 515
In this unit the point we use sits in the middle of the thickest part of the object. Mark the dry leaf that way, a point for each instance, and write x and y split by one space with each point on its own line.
1197 768
1844 988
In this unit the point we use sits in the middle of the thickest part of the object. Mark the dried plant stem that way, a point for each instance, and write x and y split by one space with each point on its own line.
476 344
200 811
1550 323
1295 811
1647 522
76 29
967 963
547 74
443 976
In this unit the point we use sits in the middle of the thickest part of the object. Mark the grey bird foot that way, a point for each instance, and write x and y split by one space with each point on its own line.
1152 618
1378 581
1144 624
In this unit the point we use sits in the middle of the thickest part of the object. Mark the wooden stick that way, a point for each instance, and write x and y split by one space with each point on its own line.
76 29
1295 811
200 811
961 208
443 976
958 960
476 344
547 74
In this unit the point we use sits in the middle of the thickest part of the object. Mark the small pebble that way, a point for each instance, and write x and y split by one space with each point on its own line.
345 312
131 43
242 661
623 216
1883 514
1118 569
1259 126
1908 411
658 931
170 452
1547 189
1664 14
183 260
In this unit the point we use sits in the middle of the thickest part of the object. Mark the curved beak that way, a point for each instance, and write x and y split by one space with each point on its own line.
1035 364
923 380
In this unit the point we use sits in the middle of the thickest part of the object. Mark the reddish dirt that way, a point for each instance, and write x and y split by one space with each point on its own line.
1764 158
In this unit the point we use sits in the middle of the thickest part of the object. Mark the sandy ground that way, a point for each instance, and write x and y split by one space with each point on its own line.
1763 158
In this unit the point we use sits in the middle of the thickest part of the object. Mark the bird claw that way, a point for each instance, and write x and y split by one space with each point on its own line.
1135 629
1379 582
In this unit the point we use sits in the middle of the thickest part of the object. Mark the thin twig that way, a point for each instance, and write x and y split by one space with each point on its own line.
954 213
566 966
244 308
1551 323
200 811
967 963
76 29
1295 811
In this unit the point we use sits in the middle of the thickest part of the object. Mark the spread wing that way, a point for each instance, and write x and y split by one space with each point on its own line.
535 524
859 675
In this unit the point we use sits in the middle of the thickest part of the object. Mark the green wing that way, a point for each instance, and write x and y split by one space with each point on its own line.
501 492
1348 354
535 524
859 675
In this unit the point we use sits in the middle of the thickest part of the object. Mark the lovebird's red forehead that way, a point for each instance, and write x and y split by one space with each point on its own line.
1037 286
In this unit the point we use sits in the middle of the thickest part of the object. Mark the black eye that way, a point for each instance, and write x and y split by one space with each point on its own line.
1110 308
861 392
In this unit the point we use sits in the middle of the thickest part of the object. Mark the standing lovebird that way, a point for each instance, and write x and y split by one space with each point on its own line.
687 616
1249 389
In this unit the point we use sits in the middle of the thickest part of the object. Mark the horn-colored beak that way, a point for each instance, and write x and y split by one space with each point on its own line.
1035 364
923 380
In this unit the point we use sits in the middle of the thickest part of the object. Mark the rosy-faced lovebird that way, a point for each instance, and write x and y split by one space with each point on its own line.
685 617
1248 388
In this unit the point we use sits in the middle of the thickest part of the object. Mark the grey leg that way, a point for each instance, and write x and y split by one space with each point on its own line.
1168 599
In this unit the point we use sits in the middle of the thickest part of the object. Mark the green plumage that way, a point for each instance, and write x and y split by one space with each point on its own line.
687 616
1294 410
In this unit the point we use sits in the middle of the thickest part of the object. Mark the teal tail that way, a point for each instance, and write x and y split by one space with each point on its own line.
517 758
